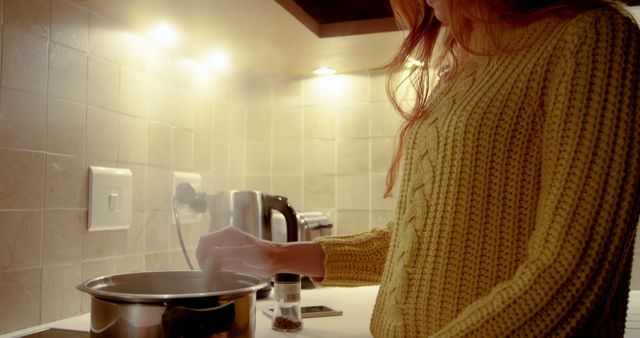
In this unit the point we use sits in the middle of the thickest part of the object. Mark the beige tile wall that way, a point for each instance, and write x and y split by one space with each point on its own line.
324 142
76 89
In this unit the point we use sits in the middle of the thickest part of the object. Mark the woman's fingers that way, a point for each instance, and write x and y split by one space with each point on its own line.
252 255
232 249
228 236
236 265
249 259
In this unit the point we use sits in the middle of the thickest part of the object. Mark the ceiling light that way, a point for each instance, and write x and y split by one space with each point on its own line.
164 34
218 60
324 71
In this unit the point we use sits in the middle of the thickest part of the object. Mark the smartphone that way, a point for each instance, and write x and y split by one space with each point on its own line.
311 311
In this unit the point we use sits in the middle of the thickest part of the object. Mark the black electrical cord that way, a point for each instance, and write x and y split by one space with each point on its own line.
179 229
186 194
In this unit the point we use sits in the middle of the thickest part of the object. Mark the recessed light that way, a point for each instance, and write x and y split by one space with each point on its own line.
324 71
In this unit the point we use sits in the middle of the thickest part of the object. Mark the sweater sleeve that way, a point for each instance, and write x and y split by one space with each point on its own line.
355 260
589 198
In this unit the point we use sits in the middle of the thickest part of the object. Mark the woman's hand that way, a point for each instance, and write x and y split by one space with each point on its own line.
232 249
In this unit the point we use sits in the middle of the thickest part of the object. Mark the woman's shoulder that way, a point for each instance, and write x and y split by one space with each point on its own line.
601 21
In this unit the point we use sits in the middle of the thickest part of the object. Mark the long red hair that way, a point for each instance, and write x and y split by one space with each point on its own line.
423 34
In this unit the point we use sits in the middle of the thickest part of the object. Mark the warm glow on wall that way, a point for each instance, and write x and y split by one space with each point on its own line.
142 51
218 60
150 53
165 34
329 88
197 71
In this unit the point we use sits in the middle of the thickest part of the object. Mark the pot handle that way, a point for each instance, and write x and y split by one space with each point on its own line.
181 321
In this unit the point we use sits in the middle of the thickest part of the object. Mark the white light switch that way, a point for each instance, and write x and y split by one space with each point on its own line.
114 202
110 198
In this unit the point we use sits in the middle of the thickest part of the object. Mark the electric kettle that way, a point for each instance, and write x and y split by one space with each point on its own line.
251 211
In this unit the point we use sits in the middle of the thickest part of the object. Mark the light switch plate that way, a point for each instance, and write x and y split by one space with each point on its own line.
186 214
110 198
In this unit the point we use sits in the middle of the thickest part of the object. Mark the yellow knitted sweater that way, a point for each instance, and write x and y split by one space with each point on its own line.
520 194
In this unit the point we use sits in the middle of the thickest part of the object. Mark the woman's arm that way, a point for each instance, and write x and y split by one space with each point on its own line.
334 260
355 260
303 258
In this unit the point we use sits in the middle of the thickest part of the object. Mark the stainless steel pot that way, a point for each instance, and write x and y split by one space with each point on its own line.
173 304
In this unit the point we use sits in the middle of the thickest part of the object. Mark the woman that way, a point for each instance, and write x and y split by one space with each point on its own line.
520 191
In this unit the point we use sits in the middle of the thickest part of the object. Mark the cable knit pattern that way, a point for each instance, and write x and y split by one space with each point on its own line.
520 194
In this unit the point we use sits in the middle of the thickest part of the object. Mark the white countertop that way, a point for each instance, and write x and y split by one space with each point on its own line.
356 305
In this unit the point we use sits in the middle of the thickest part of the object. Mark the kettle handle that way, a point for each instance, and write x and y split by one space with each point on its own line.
281 204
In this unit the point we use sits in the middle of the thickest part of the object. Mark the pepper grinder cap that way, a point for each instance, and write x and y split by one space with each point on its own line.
286 278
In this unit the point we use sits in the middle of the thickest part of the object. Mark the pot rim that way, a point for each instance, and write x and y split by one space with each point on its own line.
95 287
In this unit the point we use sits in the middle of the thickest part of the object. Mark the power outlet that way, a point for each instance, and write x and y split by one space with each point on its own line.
186 214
